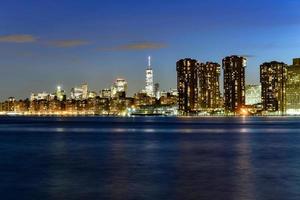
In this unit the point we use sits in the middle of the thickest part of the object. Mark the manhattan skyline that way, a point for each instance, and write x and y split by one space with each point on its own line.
66 43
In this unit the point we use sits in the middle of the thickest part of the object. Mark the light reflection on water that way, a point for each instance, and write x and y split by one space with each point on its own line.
162 158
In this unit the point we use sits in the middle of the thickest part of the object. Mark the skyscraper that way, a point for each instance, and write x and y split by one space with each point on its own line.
234 83
156 91
85 90
119 88
80 92
209 90
149 79
187 85
273 78
293 88
60 93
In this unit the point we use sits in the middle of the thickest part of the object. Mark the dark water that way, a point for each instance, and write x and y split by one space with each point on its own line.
150 158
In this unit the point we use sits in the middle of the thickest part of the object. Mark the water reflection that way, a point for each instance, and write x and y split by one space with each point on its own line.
153 159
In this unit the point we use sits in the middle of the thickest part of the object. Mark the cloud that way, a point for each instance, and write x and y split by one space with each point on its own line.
136 46
248 55
17 38
69 43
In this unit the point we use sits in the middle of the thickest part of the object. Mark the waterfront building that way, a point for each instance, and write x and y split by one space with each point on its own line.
80 93
209 90
273 78
41 96
187 85
293 88
119 88
60 94
156 91
253 94
85 91
105 93
149 79
76 93
234 83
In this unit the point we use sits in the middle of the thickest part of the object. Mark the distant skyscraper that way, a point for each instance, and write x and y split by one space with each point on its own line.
59 93
149 79
105 93
187 85
273 77
119 88
209 90
293 88
85 90
253 94
156 91
234 83
80 92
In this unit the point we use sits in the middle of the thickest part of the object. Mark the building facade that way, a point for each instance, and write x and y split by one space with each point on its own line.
293 88
253 94
273 78
209 86
149 80
234 83
187 85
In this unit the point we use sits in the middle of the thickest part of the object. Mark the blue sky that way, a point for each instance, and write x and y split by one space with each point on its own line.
66 42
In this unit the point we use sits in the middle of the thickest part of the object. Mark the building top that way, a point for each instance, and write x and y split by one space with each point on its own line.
296 62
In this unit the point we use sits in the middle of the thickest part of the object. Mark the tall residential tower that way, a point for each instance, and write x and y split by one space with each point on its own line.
273 78
187 85
234 83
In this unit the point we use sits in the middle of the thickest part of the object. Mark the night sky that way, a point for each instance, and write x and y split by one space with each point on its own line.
68 42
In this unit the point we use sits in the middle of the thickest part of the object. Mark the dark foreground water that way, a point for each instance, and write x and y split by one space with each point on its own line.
150 158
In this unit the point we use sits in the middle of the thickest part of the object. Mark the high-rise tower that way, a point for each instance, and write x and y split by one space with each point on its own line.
273 78
234 83
149 79
187 85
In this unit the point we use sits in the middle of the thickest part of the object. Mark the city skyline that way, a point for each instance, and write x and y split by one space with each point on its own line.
47 44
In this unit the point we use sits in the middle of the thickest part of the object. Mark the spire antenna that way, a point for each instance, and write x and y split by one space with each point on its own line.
149 61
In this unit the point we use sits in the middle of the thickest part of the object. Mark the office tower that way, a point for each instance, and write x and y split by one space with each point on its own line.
149 79
59 93
273 78
187 85
76 93
156 91
80 93
105 93
119 88
40 96
209 90
234 83
293 88
85 91
253 94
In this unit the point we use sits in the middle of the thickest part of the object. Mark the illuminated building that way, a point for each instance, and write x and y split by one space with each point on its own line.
80 92
209 90
187 85
119 88
91 94
76 93
85 91
156 91
253 94
105 93
273 77
234 83
60 94
293 88
41 96
149 79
